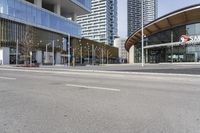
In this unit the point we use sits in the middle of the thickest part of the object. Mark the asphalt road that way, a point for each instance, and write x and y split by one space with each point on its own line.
39 101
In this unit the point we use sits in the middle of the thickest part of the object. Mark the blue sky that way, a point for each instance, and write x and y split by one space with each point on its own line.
164 7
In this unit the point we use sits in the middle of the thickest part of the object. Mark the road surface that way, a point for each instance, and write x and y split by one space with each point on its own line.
46 101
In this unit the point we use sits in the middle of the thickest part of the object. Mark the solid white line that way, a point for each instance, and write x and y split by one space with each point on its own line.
7 78
92 87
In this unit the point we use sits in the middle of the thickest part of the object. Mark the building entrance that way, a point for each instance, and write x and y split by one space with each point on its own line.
154 56
157 55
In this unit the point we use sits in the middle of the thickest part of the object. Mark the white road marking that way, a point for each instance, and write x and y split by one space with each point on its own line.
93 87
7 78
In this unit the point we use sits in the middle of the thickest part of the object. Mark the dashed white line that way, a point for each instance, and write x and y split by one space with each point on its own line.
92 87
7 78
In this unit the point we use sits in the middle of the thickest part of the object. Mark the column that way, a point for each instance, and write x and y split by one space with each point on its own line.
38 3
39 57
74 17
58 58
146 56
57 8
131 55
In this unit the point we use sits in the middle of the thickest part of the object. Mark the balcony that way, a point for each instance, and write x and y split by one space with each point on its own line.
28 13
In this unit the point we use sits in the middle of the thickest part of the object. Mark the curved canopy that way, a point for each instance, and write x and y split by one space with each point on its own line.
183 16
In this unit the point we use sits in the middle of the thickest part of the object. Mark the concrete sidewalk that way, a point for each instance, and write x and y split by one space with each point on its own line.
150 69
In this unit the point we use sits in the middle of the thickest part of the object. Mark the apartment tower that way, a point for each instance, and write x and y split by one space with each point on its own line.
101 24
134 13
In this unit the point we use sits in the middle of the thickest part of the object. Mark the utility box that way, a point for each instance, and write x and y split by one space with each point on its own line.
4 56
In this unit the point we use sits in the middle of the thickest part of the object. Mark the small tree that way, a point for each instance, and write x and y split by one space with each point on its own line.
27 43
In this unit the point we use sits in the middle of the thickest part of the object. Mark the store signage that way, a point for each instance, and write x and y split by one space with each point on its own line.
195 38
185 38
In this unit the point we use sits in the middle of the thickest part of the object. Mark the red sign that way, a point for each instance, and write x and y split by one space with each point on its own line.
185 38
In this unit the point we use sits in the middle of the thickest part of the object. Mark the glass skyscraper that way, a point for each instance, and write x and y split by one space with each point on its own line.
134 13
101 24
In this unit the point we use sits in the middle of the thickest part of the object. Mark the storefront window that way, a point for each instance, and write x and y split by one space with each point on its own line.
193 29
180 53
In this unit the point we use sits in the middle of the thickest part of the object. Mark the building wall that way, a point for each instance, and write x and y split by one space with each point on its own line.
123 54
101 24
131 55
134 13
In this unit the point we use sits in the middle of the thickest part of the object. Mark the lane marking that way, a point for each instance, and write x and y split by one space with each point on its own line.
91 72
7 78
93 87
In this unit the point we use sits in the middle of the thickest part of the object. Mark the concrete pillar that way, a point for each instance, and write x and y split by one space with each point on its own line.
146 56
196 57
48 57
39 57
74 17
131 55
4 56
38 3
58 58
57 8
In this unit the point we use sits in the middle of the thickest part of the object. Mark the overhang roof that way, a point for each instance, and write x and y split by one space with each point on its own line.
183 16
70 6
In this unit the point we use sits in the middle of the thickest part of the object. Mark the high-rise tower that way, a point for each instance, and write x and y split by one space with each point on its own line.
101 24
134 13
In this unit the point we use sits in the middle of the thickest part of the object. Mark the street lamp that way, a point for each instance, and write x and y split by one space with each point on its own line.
102 55
142 32
81 50
92 54
53 45
17 51
74 57
68 49
88 54
107 56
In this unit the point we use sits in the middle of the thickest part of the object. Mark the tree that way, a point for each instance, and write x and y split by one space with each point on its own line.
27 43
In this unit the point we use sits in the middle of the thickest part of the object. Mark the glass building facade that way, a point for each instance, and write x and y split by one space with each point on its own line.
179 53
28 13
40 27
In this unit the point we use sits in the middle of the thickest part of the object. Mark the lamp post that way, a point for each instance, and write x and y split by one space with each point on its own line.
92 54
74 57
88 54
17 51
172 39
102 55
107 56
142 33
68 49
53 56
81 50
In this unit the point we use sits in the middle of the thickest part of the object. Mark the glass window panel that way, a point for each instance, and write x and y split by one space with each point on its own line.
31 14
